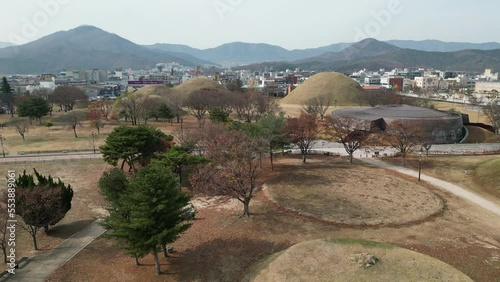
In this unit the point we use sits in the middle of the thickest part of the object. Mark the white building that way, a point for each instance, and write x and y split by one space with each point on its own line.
487 86
427 83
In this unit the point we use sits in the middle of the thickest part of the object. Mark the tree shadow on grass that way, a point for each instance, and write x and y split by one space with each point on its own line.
223 260
67 230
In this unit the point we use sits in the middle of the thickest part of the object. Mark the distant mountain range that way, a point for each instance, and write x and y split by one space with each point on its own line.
440 46
239 53
373 55
85 47
88 47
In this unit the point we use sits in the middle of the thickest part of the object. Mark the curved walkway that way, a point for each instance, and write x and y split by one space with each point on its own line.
452 188
40 267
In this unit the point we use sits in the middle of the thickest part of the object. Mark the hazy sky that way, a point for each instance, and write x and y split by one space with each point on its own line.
293 24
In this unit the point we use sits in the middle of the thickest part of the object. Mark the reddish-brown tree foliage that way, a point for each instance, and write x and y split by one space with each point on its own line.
37 208
234 167
351 132
403 137
67 96
303 132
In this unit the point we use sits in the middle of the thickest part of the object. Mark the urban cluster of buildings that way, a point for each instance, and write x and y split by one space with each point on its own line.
447 85
97 83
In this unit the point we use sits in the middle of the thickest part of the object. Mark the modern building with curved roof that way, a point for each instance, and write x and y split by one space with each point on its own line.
444 127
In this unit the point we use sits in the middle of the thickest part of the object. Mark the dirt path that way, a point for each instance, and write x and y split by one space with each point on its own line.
38 268
452 188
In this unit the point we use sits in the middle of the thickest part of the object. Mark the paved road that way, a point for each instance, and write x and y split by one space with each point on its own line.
452 188
39 268
20 159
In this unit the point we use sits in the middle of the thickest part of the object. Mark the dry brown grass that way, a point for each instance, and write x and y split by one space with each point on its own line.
468 172
196 84
352 195
221 246
86 206
480 135
338 86
339 260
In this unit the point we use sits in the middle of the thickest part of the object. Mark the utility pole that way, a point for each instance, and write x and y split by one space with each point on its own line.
419 164
1 142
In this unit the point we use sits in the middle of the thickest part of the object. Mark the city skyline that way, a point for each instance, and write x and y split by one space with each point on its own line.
290 24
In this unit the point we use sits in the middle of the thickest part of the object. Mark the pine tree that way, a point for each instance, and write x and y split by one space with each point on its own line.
152 213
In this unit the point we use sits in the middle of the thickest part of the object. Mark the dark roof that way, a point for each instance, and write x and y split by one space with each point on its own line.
393 111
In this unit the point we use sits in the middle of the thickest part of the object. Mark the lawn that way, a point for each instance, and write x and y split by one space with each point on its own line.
221 246
87 202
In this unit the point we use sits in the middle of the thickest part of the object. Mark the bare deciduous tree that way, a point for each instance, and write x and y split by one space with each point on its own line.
318 106
67 96
303 132
493 114
73 119
234 167
351 132
403 137
199 104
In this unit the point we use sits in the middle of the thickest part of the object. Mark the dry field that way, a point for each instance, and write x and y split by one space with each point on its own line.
221 246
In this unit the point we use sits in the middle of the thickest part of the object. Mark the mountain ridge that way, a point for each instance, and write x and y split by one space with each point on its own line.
84 47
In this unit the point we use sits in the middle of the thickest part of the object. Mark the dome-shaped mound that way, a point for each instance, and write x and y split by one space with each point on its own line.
196 84
353 260
154 90
338 86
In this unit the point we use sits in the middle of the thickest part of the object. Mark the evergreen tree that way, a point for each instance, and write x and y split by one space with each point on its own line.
153 212
134 145
178 158
34 107
7 96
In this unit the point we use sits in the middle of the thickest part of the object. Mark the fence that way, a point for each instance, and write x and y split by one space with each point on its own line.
50 160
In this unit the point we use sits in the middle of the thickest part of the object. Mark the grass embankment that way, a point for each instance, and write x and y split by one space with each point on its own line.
347 260
487 175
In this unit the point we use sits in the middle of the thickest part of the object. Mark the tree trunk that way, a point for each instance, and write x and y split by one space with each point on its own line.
74 130
246 208
4 250
22 135
404 160
98 130
33 237
157 262
179 171
351 158
271 154
304 158
46 229
136 261
165 250
123 164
